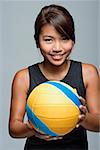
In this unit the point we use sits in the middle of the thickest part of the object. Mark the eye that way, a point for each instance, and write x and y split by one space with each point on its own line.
48 40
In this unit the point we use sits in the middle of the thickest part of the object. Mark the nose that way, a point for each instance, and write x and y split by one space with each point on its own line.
57 47
56 51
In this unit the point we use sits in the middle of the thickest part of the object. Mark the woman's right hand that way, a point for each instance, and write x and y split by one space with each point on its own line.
41 135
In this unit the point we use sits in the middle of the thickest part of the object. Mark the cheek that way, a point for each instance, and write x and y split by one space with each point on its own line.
69 46
45 48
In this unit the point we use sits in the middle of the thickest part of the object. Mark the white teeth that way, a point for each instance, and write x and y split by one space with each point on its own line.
57 56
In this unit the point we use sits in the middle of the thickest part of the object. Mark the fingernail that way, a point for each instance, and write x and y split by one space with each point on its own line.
80 106
77 125
60 137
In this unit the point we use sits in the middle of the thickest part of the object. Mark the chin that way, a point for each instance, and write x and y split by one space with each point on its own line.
57 63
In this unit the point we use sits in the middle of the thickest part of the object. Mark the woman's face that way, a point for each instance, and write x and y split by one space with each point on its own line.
54 48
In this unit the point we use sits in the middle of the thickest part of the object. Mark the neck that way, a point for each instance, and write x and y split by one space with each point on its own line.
54 69
53 72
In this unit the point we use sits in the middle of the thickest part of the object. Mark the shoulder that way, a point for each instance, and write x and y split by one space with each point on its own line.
90 73
21 78
90 69
21 74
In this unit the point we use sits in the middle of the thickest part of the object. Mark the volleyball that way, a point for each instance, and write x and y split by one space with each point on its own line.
53 108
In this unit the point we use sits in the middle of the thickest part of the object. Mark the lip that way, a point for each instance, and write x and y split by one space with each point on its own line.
57 57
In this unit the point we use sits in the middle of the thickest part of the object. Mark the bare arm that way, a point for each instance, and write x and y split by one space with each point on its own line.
92 84
17 127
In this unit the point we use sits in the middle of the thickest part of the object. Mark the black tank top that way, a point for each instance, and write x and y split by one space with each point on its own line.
75 140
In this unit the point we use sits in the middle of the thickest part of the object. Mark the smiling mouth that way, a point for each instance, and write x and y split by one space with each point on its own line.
57 56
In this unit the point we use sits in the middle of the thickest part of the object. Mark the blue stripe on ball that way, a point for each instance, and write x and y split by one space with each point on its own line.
38 123
66 91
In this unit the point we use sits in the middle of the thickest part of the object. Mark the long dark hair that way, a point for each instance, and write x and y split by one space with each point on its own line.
57 16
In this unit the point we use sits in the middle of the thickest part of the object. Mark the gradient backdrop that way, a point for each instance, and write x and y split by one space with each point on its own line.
18 49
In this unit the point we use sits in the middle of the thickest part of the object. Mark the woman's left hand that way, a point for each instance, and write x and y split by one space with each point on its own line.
83 110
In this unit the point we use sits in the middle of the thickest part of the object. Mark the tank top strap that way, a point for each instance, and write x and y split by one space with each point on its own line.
75 77
35 77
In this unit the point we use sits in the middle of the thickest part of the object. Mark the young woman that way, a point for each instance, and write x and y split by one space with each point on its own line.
55 36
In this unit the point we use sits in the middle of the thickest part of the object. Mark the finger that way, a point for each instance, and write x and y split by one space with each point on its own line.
40 136
83 101
60 137
83 109
50 139
81 118
39 131
54 138
77 126
29 125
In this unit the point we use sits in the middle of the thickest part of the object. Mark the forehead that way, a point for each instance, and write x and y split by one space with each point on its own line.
49 30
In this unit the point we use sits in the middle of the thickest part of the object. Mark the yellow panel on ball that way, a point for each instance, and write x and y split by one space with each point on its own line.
53 108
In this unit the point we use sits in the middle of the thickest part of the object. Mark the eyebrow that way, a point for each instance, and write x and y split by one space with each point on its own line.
47 36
